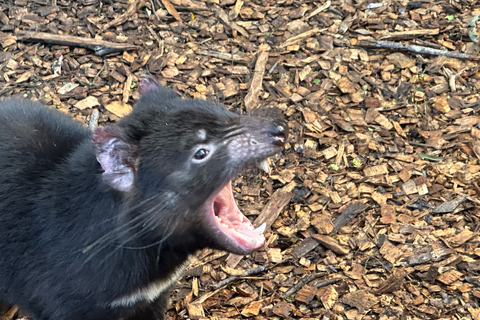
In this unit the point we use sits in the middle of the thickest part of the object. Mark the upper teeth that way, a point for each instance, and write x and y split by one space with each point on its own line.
264 166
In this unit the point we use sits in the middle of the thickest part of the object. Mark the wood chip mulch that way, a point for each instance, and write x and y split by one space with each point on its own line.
372 210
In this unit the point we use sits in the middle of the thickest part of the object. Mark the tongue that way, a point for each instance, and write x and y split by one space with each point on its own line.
233 223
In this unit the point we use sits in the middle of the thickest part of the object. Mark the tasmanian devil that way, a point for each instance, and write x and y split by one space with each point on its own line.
98 226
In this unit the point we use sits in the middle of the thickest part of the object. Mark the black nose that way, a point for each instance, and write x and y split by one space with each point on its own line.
279 132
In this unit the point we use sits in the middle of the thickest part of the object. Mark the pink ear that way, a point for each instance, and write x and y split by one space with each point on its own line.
116 157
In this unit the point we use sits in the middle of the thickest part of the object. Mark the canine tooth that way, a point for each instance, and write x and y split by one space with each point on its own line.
261 229
264 166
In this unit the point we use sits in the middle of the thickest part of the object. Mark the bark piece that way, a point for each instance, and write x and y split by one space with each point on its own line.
331 244
360 299
251 99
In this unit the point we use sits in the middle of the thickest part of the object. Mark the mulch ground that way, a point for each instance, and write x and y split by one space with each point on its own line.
372 210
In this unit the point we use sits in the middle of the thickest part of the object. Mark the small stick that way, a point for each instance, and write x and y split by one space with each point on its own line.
154 12
224 56
415 48
247 273
327 282
391 108
100 47
306 279
191 9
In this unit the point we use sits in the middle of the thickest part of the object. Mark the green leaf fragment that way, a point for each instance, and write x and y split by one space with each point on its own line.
334 167
430 157
356 162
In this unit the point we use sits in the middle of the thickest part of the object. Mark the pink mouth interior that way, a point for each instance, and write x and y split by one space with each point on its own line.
233 223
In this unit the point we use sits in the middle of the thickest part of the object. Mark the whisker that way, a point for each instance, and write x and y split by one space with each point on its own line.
124 228
146 221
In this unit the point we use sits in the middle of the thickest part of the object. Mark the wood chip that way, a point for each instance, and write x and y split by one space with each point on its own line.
118 108
331 244
88 102
360 299
251 99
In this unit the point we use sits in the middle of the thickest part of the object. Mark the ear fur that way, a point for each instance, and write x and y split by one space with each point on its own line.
116 156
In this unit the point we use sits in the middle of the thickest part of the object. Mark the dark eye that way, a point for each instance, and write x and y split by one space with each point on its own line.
201 154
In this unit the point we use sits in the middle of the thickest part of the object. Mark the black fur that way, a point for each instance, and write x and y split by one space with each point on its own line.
73 238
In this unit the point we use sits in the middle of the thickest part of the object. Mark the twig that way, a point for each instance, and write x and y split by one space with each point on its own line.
191 9
100 47
385 109
154 12
306 279
98 73
409 34
415 48
247 273
224 56
327 282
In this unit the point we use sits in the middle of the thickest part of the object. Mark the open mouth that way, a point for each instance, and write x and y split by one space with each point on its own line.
239 235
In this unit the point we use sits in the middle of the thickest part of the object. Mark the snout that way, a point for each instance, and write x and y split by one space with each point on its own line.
260 138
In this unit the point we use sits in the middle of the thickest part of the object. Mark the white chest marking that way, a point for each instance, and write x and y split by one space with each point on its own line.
151 291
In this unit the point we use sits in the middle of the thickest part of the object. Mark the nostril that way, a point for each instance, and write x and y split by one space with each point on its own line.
279 134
